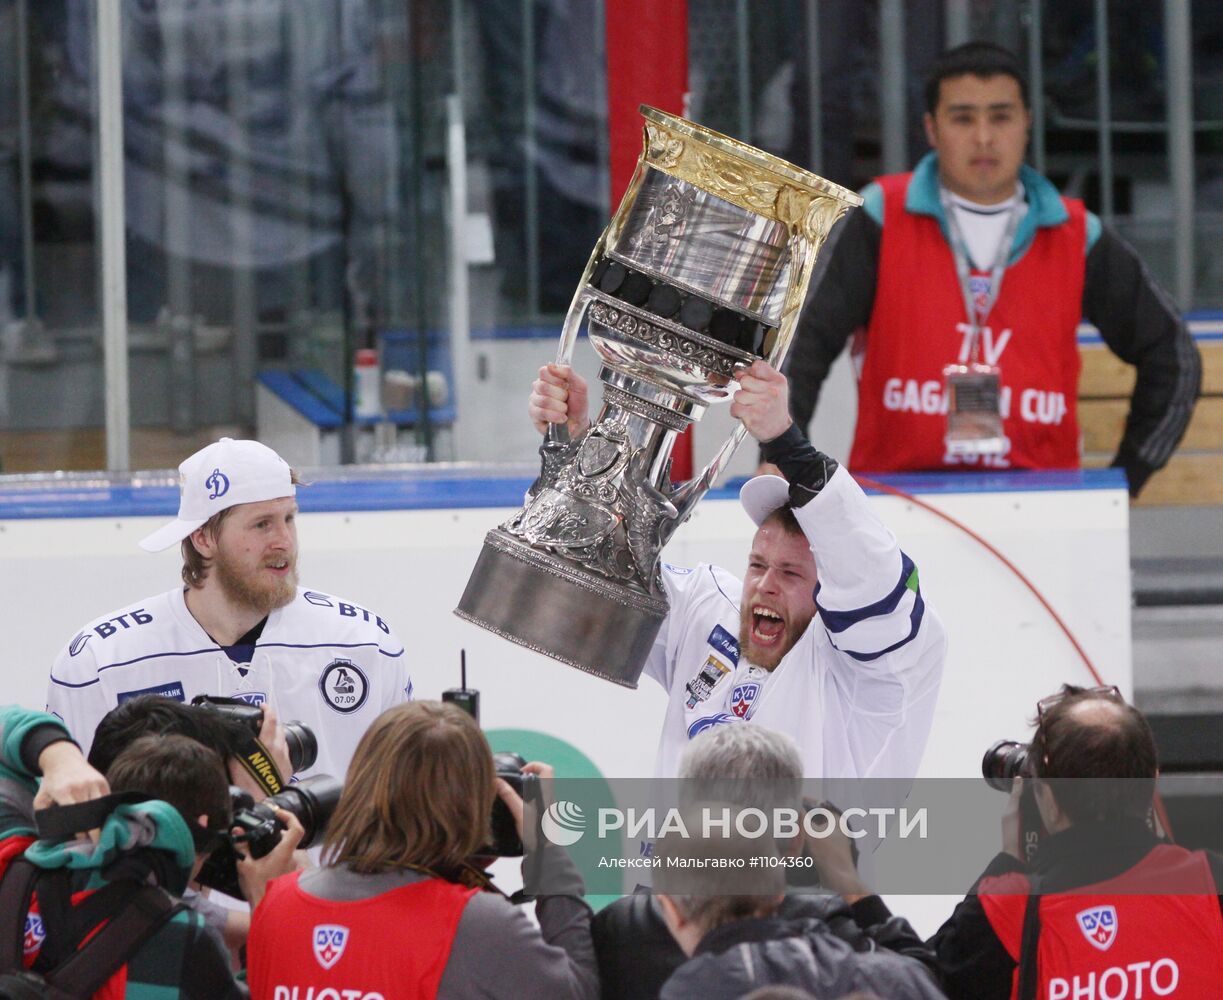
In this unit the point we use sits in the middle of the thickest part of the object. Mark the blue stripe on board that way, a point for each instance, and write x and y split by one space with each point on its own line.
434 491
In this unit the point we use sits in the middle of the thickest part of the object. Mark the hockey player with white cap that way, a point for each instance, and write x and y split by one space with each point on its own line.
857 687
240 626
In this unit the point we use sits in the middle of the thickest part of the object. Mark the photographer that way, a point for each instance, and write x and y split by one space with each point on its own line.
726 913
159 843
416 807
1107 909
751 766
227 737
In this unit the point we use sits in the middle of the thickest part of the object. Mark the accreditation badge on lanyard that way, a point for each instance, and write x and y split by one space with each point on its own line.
974 395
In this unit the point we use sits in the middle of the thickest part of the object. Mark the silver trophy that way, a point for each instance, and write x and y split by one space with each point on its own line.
702 270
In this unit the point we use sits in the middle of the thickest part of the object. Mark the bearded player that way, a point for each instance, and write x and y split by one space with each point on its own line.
239 626
826 638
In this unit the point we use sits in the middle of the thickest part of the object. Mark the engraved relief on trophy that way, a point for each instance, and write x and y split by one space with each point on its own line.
664 149
560 520
664 222
597 455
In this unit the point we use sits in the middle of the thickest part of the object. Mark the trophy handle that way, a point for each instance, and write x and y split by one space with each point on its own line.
559 433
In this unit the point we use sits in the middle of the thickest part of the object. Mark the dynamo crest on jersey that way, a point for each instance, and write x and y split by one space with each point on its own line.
708 722
255 698
35 934
1099 925
343 686
329 942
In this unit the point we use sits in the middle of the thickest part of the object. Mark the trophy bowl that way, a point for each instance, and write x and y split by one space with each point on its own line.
702 270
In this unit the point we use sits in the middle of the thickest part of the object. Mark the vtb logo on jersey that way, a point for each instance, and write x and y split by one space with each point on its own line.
1099 925
330 941
35 934
741 699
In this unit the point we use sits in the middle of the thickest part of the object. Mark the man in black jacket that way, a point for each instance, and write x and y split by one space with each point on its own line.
723 907
974 257
637 952
1107 908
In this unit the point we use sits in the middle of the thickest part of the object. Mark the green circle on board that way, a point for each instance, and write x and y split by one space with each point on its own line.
568 762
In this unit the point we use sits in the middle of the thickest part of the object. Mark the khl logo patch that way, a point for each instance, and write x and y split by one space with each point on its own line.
343 686
741 699
1099 925
330 941
34 935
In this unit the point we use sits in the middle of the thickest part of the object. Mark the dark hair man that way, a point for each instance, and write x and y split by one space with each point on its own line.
41 766
239 626
152 717
1107 908
975 258
856 690
152 714
726 915
752 767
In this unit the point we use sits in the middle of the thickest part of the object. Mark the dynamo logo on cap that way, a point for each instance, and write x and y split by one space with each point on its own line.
563 823
218 483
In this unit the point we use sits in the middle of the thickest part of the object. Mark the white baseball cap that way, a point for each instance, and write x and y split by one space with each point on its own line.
218 477
761 495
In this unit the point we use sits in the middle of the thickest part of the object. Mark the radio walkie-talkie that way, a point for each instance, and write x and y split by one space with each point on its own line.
468 699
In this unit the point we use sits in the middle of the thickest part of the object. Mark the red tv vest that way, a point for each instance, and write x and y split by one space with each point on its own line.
1109 942
917 327
393 946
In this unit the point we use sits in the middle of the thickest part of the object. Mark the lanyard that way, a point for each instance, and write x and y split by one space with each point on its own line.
977 318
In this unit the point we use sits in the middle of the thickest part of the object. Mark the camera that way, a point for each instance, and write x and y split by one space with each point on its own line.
312 801
303 746
506 843
1005 761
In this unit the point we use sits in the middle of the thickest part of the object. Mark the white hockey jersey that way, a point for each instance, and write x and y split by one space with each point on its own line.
857 691
320 660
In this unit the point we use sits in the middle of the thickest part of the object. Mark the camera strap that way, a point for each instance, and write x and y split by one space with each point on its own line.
257 761
1029 942
59 823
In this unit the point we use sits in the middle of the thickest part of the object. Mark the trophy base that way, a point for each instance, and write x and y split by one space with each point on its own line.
553 607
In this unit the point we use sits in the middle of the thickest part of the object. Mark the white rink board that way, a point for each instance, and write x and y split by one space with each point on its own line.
411 566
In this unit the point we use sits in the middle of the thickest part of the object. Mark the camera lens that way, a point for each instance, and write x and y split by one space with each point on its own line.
312 801
1003 763
303 747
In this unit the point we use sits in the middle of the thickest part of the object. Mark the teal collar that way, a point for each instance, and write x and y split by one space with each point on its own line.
1045 206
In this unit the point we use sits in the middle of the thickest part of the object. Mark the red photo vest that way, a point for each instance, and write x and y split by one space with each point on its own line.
917 328
1110 942
394 945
